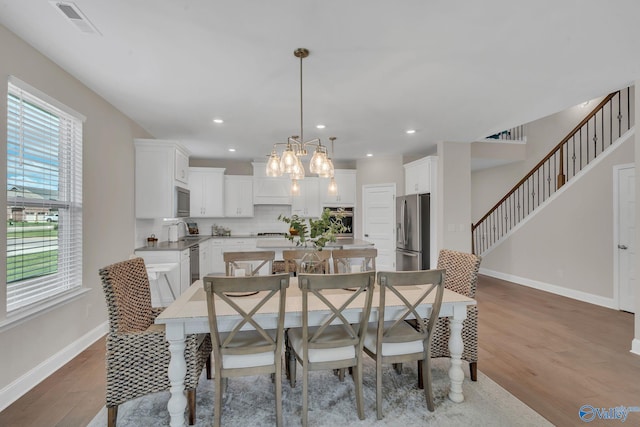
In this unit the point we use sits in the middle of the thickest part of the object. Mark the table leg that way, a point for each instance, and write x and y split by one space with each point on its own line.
456 347
177 372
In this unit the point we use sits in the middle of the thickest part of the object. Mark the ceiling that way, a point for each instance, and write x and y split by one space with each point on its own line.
451 70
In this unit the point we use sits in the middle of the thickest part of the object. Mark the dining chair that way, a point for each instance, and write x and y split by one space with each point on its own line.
246 352
293 261
461 277
354 260
394 340
336 343
138 356
248 263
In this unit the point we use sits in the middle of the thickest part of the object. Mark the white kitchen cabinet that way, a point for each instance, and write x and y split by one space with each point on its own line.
205 259
207 192
179 278
418 175
182 167
307 204
346 182
238 196
155 177
270 190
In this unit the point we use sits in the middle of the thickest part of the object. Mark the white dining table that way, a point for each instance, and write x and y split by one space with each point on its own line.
188 315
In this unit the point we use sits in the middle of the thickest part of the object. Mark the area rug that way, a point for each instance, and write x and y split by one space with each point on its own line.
249 401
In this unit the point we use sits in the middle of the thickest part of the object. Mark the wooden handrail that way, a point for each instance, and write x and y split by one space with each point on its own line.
547 157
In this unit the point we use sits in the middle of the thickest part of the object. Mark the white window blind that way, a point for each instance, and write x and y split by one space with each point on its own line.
44 198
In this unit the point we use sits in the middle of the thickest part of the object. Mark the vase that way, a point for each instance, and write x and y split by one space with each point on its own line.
311 263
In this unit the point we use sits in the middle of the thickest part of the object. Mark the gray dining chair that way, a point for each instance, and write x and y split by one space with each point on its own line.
246 352
354 260
249 262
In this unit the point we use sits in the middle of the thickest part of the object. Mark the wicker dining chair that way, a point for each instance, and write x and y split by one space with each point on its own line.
138 354
462 277
247 352
293 259
394 341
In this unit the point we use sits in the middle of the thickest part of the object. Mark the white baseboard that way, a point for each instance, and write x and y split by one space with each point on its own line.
26 382
635 346
554 289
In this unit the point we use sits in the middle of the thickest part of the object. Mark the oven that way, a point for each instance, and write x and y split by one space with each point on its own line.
347 219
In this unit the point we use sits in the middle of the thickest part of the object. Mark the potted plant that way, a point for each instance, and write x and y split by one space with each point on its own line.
316 232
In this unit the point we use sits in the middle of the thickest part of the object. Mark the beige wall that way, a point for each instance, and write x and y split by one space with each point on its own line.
454 196
108 207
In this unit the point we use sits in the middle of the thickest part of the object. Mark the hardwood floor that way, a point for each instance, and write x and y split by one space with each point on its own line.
553 353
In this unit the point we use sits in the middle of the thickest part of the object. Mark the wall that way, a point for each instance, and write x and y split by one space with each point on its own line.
454 196
32 349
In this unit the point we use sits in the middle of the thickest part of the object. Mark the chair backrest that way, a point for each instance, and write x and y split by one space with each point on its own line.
126 289
248 263
293 259
318 293
354 260
412 288
270 290
462 271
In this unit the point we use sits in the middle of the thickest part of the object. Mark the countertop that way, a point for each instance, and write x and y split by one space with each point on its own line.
282 243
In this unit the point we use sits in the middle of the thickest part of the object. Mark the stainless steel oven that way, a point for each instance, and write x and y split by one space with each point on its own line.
347 218
183 202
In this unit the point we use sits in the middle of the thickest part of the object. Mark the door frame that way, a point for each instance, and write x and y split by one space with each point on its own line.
616 229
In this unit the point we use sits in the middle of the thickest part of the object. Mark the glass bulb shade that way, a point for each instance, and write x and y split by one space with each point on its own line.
333 187
327 169
273 165
288 160
318 159
297 171
295 187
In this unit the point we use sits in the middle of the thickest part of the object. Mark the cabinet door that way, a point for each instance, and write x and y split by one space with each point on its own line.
418 176
346 182
181 167
217 262
185 270
307 204
238 196
207 192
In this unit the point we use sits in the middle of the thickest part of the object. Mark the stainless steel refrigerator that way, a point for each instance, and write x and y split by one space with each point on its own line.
412 232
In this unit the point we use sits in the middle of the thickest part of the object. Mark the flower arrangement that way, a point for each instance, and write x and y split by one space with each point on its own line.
318 232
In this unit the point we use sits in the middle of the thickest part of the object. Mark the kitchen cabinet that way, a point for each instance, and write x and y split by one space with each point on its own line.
179 277
182 167
155 177
270 190
238 196
346 182
418 175
207 192
307 203
206 260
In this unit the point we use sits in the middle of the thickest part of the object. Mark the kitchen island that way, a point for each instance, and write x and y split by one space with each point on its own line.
282 244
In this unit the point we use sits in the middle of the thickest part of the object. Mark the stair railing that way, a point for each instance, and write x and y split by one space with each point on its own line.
596 132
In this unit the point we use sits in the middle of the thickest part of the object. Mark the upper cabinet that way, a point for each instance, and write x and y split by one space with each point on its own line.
418 175
346 182
207 192
307 203
269 190
238 196
156 177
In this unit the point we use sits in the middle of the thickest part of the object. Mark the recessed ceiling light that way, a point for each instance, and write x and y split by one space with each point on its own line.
233 150
218 121
369 154
320 126
411 131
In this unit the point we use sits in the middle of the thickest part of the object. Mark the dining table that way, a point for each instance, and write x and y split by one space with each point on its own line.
188 315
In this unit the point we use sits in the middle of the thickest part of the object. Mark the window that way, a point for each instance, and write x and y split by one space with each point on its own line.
44 197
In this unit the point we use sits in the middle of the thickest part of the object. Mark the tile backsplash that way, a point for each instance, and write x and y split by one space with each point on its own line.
265 219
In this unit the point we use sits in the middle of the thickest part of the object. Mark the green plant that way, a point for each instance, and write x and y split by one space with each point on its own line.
318 232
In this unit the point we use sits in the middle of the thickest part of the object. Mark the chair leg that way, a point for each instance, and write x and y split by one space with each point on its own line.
341 374
217 410
292 363
473 371
305 395
426 380
112 416
278 383
379 387
208 366
397 367
357 379
420 382
191 405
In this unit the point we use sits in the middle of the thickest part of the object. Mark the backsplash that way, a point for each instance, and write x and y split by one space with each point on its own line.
265 220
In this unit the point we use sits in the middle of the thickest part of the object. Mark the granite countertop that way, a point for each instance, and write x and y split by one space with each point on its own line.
183 243
282 243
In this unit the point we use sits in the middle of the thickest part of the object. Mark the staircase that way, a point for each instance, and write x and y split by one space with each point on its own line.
608 121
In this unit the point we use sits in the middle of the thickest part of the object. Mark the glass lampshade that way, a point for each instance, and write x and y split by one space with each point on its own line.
318 159
273 165
297 171
288 160
295 187
333 187
327 169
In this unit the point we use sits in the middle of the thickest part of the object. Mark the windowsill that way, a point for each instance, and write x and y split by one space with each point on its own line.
27 313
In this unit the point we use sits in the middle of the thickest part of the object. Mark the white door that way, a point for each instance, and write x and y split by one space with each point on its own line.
379 218
625 246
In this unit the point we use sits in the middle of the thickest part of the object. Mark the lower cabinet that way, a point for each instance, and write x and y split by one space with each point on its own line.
178 278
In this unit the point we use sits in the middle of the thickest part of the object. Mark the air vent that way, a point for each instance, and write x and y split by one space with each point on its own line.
76 17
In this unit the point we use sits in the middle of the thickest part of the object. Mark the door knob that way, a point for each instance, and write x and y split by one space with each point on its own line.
622 247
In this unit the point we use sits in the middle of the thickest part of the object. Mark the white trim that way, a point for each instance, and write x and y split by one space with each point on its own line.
46 98
635 346
554 289
616 229
26 382
609 150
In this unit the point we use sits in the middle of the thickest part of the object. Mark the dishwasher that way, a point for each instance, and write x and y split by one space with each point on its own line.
194 262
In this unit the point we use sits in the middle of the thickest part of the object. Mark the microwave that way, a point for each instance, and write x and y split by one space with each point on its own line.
183 202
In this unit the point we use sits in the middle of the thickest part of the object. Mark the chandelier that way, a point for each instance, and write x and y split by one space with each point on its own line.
296 148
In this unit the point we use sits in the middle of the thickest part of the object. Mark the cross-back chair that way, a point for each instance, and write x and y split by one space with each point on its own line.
395 341
248 263
293 259
331 346
138 354
246 352
354 260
